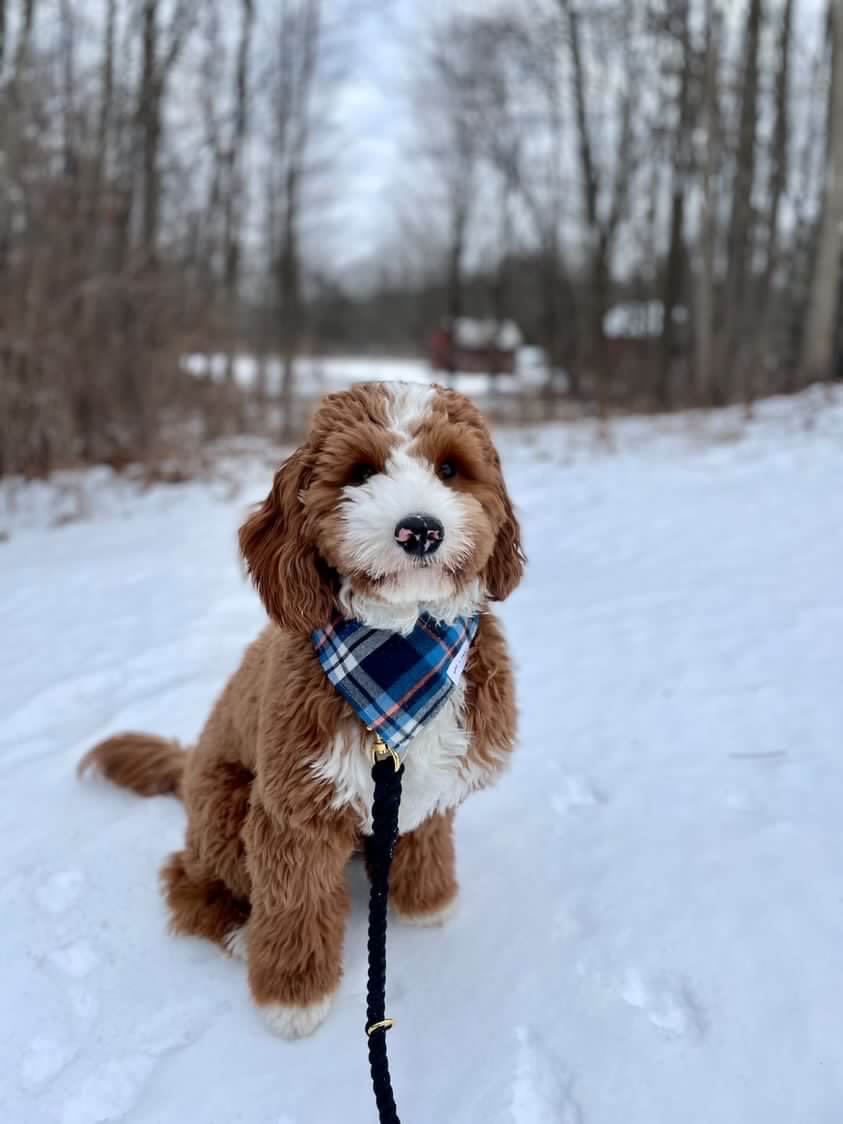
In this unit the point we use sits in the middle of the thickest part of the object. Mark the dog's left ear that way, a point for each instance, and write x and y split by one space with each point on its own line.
291 578
505 567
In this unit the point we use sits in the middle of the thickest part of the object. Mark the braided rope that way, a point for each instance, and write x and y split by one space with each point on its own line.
380 846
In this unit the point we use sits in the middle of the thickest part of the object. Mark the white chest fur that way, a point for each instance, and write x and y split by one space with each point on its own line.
437 774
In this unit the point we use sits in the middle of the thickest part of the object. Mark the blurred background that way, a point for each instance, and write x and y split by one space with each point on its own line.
213 210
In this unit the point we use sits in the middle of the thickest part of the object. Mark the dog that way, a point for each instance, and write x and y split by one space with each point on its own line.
394 506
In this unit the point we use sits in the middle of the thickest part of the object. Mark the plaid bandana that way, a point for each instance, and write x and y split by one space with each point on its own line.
395 684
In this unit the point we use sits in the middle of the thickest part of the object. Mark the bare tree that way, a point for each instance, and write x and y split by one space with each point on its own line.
234 183
539 180
604 191
680 177
67 35
297 42
161 51
25 34
106 110
779 160
780 149
821 323
708 220
741 240
448 109
3 30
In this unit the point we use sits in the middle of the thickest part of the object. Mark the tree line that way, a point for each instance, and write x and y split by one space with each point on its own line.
165 166
677 155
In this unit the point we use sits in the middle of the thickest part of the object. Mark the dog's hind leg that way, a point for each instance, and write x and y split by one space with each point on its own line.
216 798
203 907
207 885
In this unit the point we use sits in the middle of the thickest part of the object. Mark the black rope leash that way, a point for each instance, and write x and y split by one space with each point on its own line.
387 774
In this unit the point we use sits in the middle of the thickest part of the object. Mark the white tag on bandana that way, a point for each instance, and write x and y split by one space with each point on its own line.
457 666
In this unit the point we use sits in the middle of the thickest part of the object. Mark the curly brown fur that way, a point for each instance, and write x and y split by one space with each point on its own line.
275 788
143 763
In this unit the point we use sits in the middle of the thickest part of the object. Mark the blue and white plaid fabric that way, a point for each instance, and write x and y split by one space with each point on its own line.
395 684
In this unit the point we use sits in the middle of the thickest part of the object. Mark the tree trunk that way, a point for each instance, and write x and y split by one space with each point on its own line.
234 186
818 360
589 179
764 335
455 295
741 241
68 56
500 281
289 298
149 119
598 237
708 224
2 35
106 106
780 149
680 173
24 35
300 37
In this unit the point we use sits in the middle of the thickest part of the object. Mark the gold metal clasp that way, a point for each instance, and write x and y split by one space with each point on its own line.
384 1024
380 751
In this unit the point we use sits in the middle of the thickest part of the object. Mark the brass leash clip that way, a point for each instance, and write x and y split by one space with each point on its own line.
380 750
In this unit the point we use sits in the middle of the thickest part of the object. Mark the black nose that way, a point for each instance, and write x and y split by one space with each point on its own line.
419 535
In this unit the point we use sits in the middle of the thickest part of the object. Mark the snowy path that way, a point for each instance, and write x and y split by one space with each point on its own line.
651 923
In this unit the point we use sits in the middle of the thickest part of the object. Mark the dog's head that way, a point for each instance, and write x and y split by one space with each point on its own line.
394 504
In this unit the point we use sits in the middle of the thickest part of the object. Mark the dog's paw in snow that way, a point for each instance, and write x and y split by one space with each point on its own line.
296 1022
236 943
431 919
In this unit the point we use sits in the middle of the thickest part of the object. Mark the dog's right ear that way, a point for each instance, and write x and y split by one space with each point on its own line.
282 560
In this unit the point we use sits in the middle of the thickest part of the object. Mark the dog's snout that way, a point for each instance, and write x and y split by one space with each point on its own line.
419 535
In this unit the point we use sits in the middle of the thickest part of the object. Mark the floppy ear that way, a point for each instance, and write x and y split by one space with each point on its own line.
292 580
505 567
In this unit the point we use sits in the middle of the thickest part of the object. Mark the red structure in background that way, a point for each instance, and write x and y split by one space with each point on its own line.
475 346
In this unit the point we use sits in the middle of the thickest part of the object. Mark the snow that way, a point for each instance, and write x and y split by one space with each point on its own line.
488 333
651 915
320 375
639 320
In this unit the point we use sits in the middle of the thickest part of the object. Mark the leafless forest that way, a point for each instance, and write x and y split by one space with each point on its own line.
651 189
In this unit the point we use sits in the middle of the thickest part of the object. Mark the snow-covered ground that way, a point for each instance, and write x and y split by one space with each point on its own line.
651 921
316 376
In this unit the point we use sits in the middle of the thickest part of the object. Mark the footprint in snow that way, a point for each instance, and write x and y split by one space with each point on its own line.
59 891
675 1011
44 1059
110 1093
77 959
577 793
113 1090
542 1093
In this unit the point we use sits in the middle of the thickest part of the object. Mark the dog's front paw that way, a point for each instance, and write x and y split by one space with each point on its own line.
430 918
296 1022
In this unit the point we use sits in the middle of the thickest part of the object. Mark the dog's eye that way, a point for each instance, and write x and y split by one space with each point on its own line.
447 470
360 473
